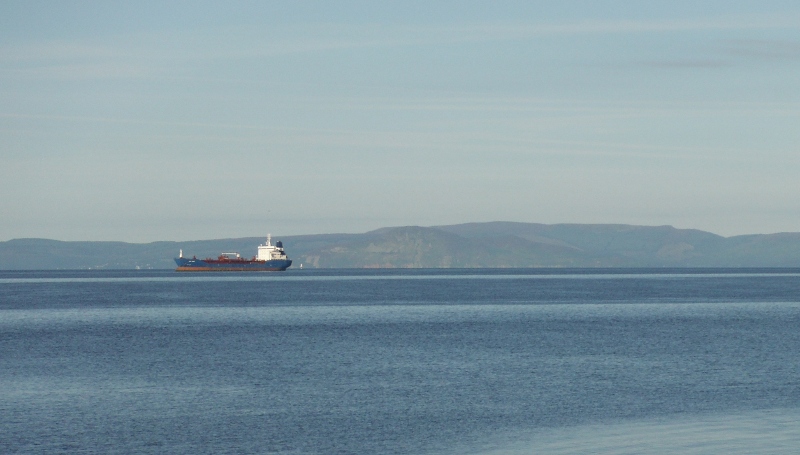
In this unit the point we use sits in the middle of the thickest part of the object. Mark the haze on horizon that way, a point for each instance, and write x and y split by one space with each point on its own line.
143 121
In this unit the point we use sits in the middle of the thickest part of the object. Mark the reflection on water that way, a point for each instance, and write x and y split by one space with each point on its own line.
758 432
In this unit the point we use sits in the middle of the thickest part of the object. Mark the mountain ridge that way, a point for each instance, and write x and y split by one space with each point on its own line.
498 244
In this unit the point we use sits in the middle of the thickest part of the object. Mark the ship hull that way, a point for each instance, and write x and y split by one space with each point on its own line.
200 265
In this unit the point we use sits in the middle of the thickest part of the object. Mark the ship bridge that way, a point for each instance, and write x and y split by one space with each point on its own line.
268 251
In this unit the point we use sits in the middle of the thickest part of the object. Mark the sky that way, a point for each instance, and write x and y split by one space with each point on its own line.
144 121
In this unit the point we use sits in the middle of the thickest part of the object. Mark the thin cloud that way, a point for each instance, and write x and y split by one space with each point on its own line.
762 49
76 60
733 53
330 37
115 120
54 50
154 54
227 42
78 71
688 63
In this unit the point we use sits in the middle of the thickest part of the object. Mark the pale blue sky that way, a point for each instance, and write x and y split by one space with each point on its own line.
139 121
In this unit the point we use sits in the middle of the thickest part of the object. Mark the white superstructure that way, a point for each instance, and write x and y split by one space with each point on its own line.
268 251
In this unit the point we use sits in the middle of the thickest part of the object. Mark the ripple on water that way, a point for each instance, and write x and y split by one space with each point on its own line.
764 432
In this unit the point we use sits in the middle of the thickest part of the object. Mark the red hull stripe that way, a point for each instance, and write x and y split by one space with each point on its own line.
226 269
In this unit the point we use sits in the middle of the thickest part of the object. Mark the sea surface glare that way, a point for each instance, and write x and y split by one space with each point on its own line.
401 362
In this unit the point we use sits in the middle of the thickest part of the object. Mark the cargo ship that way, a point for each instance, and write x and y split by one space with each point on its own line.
270 258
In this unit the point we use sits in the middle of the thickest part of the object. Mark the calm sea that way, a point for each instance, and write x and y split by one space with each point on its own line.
407 362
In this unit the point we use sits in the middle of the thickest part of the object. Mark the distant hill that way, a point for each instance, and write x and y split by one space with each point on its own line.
496 244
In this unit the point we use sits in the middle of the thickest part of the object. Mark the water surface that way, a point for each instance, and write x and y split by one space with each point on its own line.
430 361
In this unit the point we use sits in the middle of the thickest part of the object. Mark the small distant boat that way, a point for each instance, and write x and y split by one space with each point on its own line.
270 258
